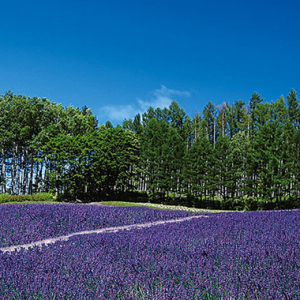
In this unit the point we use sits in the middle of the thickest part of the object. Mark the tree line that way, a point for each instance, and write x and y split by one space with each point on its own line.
245 154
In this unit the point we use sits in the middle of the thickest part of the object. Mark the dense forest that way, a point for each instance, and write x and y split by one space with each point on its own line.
242 156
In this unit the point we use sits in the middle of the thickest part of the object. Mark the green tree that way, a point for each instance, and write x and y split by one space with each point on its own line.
254 115
115 160
209 122
152 141
238 149
222 166
197 168
293 108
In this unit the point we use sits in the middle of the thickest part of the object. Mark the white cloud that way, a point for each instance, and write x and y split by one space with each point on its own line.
161 98
160 102
164 91
119 112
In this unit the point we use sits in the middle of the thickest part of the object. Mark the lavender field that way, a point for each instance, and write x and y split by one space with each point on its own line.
25 223
250 255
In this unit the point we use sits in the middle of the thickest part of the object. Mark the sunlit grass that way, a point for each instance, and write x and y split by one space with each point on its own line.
135 204
162 206
118 203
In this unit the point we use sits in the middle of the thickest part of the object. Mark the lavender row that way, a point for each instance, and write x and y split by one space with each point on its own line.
253 255
25 223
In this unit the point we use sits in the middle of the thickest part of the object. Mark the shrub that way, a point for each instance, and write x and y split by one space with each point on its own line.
42 197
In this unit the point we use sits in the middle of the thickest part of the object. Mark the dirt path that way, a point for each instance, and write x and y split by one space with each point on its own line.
103 230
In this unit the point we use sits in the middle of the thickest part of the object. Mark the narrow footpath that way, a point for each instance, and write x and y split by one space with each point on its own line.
102 230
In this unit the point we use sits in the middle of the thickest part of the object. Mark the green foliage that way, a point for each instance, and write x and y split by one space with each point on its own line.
100 162
42 197
241 157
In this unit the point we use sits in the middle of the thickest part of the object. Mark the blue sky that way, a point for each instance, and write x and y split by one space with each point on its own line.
118 57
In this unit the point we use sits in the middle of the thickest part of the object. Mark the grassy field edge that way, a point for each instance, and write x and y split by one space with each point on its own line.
161 206
131 204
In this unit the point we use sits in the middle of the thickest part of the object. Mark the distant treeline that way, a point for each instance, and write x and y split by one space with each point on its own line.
239 156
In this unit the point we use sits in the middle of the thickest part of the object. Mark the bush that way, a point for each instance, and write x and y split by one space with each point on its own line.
42 197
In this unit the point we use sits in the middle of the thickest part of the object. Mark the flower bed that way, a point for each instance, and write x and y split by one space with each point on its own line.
25 223
251 255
